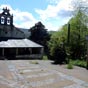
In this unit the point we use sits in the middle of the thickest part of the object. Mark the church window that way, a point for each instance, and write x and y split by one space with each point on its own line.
2 20
8 21
5 13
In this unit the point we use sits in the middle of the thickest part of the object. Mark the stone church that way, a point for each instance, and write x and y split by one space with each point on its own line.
7 28
13 40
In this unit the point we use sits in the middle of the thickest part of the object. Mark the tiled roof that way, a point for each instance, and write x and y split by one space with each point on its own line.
19 43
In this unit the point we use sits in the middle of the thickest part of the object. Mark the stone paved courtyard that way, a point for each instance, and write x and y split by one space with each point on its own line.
40 74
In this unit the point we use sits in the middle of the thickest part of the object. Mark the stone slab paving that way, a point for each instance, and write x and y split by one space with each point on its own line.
25 74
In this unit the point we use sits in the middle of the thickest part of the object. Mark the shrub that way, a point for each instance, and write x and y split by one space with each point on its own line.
80 63
59 55
45 57
21 73
70 65
34 62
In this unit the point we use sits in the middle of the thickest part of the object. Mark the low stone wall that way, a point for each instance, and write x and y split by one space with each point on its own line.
32 56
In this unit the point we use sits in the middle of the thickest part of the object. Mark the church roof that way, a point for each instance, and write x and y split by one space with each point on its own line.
20 43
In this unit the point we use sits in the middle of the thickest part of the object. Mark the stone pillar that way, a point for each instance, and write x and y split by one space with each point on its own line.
30 49
5 20
42 50
3 53
11 20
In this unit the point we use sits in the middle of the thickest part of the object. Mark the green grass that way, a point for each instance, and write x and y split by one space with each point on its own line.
34 62
45 57
21 73
80 63
70 65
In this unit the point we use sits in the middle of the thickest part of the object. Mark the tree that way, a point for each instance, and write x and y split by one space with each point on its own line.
78 30
56 47
39 34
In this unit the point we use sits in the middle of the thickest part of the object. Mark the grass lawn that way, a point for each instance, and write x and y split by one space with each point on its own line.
80 63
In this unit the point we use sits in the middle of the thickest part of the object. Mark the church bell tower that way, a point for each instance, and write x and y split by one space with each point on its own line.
6 18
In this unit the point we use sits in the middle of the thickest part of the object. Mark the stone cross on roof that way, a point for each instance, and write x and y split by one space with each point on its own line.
6 10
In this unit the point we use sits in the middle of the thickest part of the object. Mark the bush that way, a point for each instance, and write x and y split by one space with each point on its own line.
80 63
34 62
45 57
70 65
59 55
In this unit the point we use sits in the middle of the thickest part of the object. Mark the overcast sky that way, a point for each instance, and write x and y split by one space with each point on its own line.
52 13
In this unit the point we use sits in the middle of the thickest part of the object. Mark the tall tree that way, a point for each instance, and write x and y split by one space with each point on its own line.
56 47
39 34
78 30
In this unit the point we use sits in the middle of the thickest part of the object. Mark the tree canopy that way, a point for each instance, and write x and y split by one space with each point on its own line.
78 31
39 34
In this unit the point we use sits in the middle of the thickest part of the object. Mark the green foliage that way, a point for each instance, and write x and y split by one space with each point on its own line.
21 72
78 31
34 62
45 57
56 47
70 65
39 34
77 45
81 63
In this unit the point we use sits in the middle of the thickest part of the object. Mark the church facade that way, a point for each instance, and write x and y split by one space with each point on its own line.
13 40
7 29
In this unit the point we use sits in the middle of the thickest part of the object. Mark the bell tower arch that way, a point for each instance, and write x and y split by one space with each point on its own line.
6 18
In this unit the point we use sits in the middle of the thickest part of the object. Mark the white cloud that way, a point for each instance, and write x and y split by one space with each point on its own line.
54 25
21 19
57 13
23 16
49 12
53 17
53 10
3 6
51 27
58 10
26 19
